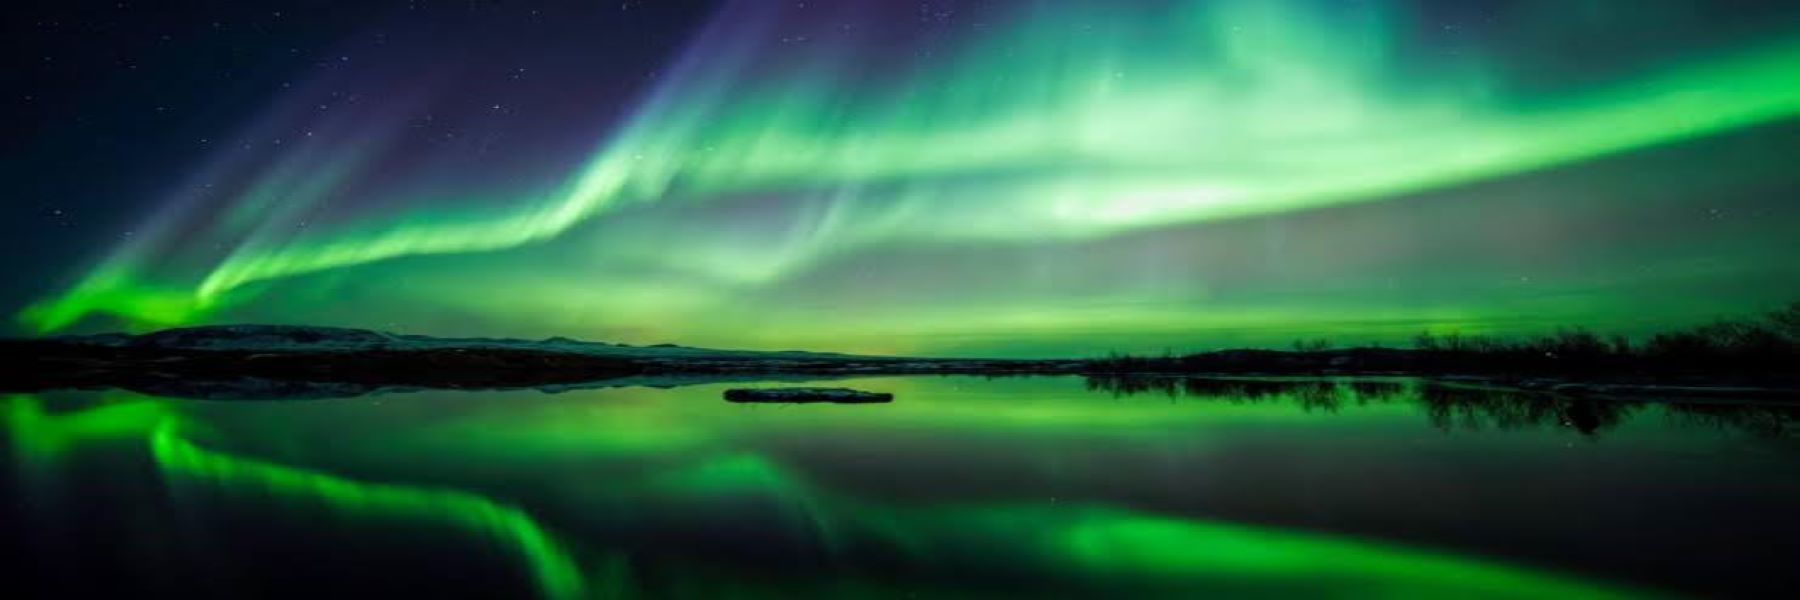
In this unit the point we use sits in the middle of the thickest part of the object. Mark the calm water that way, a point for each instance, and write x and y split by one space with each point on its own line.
963 487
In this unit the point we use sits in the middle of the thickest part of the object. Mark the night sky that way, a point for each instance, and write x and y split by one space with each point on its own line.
959 178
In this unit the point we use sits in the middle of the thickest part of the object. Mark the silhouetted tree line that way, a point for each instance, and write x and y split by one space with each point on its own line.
1768 346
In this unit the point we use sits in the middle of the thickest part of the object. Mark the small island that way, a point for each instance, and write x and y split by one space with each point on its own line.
806 395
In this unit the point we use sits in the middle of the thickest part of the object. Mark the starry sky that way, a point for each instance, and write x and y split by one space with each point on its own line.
996 178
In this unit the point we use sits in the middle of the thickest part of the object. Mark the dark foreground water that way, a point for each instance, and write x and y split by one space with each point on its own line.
963 487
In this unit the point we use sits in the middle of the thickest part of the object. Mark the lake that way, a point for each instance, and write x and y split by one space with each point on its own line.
963 487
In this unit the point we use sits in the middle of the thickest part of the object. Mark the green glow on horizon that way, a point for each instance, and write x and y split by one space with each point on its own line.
553 568
1027 135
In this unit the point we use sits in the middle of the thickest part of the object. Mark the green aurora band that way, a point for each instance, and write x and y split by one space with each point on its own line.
1039 132
554 570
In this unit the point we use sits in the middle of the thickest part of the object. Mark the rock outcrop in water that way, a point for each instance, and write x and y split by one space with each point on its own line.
805 395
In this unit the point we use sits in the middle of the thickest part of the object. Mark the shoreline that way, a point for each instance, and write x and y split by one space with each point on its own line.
282 360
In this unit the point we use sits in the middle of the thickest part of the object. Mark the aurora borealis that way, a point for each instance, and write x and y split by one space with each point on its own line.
990 178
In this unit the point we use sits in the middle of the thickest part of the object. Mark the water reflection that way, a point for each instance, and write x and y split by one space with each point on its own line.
552 568
961 488
1450 406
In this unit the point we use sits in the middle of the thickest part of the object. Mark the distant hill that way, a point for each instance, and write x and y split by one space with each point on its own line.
269 361
301 338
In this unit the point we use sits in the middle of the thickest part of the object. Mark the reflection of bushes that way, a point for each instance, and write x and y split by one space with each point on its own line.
1473 409
1449 407
1375 389
1309 394
1762 347
1761 420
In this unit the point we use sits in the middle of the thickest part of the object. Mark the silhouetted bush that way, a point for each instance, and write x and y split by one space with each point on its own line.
1765 347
